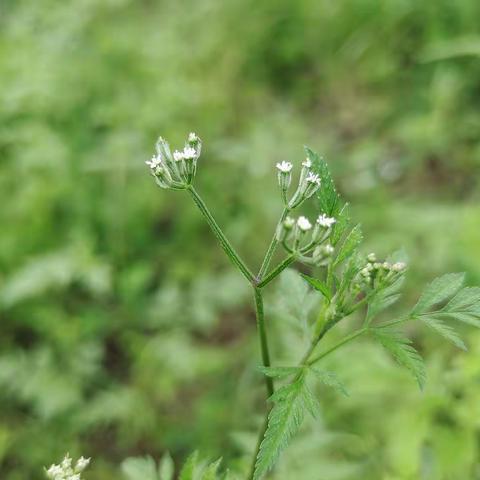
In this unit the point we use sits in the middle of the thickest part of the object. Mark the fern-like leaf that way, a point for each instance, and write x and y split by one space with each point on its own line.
330 379
383 298
318 285
446 331
400 347
285 418
349 245
189 469
441 289
210 472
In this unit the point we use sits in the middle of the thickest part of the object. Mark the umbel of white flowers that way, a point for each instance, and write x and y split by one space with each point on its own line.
308 184
175 171
66 470
299 237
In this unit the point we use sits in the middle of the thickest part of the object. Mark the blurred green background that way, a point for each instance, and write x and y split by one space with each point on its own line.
124 330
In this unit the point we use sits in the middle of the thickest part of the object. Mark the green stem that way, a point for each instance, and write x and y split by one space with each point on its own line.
342 342
277 270
262 334
271 247
227 247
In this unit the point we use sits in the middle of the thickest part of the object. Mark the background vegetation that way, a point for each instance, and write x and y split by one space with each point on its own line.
124 330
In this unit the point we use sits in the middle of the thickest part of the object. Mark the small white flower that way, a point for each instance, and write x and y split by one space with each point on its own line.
178 156
284 167
307 163
399 266
325 221
313 178
155 162
54 471
304 224
192 137
189 153
82 464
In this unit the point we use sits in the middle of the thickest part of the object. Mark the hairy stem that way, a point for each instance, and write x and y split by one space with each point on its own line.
262 334
271 247
227 247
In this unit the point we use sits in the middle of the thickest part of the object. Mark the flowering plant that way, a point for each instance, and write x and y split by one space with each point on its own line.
345 280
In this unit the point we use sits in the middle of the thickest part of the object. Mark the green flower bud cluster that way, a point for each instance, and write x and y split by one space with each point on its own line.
376 273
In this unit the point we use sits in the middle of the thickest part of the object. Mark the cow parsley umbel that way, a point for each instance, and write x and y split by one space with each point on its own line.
346 281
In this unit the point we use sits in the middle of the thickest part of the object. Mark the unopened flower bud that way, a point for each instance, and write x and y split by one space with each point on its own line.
284 176
371 257
321 255
399 266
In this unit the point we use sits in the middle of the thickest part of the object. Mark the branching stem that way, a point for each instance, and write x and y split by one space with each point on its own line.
217 231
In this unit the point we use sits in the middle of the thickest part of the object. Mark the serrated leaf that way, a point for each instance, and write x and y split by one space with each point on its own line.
330 379
210 472
466 300
341 225
139 468
284 420
349 245
402 351
382 299
328 198
352 267
446 331
441 289
189 469
318 285
468 318
279 372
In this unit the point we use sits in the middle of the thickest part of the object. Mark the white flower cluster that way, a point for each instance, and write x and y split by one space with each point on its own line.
66 470
293 236
175 171
375 272
308 184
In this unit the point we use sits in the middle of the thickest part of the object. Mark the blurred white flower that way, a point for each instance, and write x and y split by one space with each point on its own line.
284 167
304 224
325 221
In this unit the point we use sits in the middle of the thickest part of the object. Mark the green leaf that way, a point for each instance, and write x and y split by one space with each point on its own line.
330 379
279 372
349 245
166 468
210 472
466 300
402 351
446 331
138 468
189 469
441 289
318 285
328 198
341 225
284 420
383 298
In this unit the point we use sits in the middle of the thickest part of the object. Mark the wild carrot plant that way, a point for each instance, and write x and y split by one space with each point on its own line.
346 282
